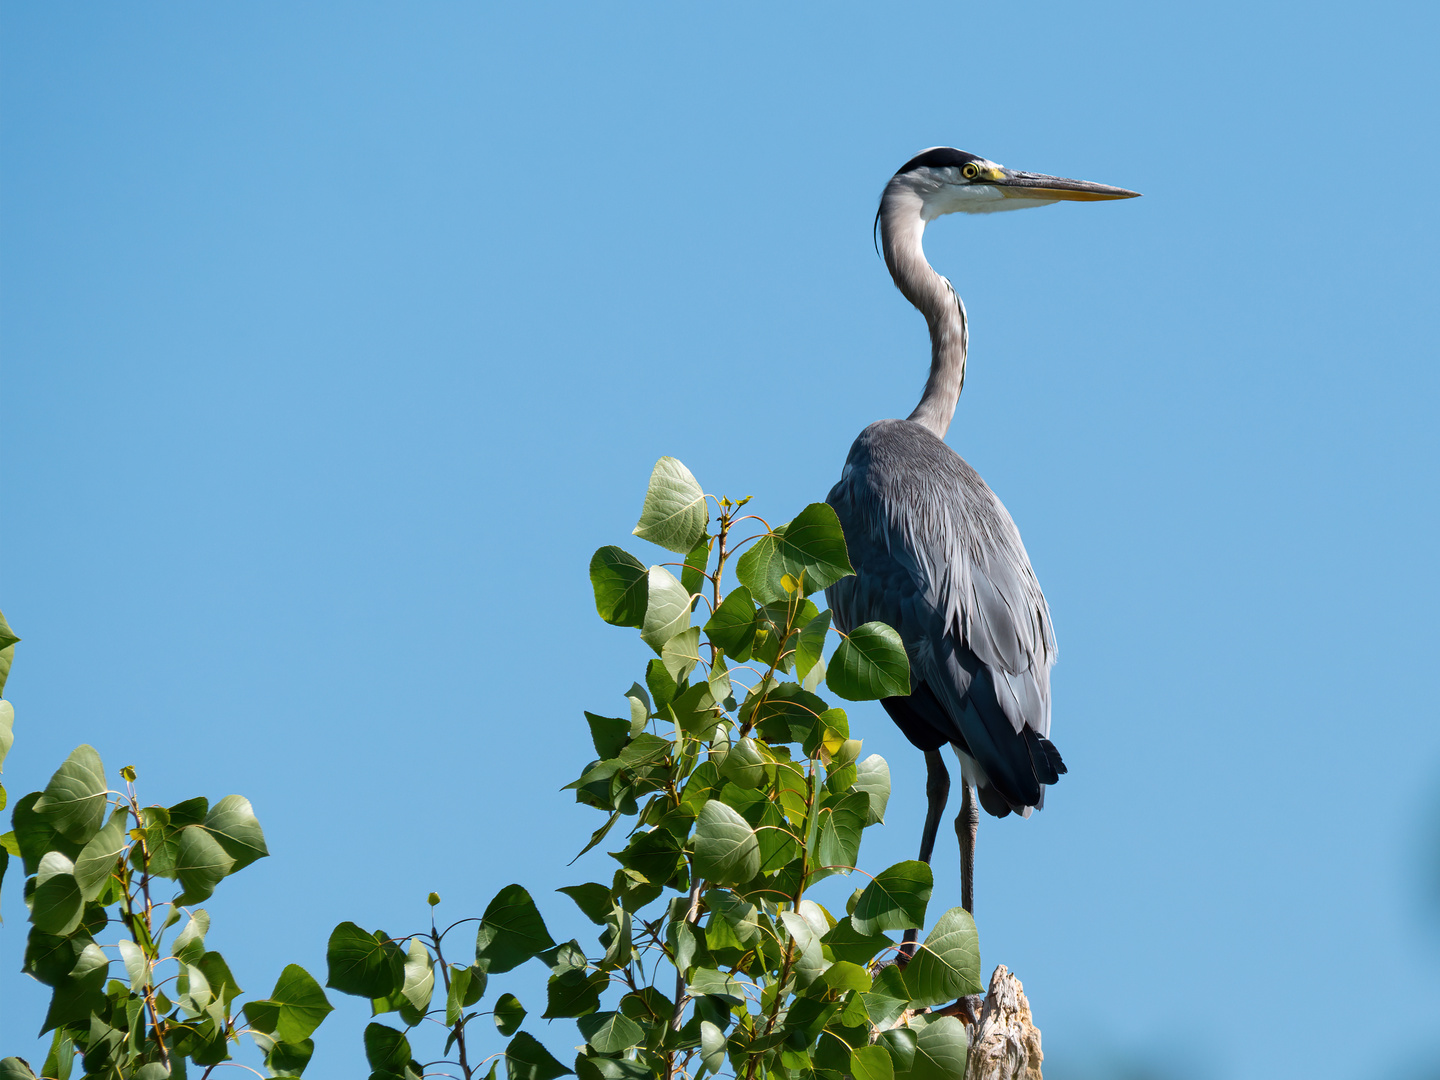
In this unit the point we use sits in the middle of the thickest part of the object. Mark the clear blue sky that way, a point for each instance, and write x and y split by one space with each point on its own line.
337 336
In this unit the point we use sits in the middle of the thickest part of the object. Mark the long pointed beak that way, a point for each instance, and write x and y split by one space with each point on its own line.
1024 185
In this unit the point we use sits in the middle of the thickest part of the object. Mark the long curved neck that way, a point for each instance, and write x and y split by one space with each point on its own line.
902 222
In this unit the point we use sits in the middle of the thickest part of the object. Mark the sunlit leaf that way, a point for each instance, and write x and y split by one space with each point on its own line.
947 965
73 803
726 851
674 515
667 610
942 1049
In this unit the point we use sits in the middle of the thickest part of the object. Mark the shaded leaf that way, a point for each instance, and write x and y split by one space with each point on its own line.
871 1063
363 964
811 549
869 664
386 1049
56 905
848 944
511 931
97 858
592 899
573 993
610 1032
526 1059
732 625
509 1014
300 1004
619 581
810 643
895 900
200 863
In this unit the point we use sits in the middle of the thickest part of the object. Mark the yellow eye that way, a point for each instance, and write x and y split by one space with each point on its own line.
970 170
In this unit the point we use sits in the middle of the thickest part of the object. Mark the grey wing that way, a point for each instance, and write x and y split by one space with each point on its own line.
938 558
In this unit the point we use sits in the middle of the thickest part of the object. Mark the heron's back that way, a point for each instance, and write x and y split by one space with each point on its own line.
937 557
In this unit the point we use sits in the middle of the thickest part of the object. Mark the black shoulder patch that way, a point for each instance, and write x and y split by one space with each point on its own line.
938 158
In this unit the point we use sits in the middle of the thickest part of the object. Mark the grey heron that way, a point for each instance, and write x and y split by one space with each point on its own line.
936 555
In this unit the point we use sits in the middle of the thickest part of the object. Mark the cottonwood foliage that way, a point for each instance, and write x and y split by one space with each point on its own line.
728 788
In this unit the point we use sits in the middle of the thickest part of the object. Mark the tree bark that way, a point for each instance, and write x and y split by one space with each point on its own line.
1005 1043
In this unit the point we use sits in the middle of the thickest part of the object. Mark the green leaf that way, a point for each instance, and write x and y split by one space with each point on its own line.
843 976
288 1059
744 765
419 981
190 945
895 900
810 643
233 824
610 1032
619 581
366 965
14 1068
386 1049
7 650
76 998
526 1059
726 851
681 653
200 863
667 611
782 712
572 993
98 857
593 900
809 960
869 664
942 1050
299 1005
712 1047
840 828
811 549
34 836
509 1014
900 1044
848 944
73 802
7 726
872 1063
511 931
872 776
947 965
136 966
609 735
692 575
674 515
56 905
732 626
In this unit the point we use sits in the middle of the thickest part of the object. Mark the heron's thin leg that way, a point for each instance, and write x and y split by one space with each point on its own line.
937 792
967 824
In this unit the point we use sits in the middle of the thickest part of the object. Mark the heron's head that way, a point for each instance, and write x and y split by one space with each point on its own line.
948 181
